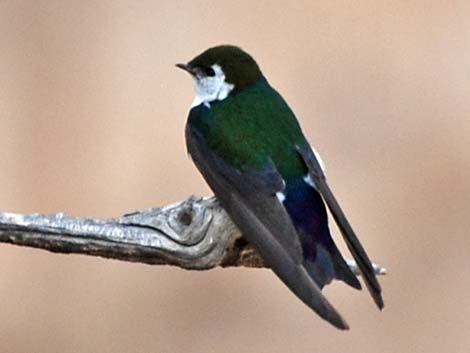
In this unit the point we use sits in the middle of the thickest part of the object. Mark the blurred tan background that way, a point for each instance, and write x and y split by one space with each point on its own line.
92 113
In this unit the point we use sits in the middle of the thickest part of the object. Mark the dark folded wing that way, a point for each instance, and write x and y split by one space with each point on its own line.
250 200
352 241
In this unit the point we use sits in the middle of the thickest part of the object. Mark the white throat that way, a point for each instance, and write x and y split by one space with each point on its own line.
211 88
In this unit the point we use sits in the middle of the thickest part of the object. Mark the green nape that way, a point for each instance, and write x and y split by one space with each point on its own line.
250 127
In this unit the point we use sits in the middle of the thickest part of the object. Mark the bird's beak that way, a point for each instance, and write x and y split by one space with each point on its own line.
186 68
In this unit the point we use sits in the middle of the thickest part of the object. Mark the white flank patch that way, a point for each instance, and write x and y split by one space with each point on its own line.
310 182
307 177
280 195
320 160
211 88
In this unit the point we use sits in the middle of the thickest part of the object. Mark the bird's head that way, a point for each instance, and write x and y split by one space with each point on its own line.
220 71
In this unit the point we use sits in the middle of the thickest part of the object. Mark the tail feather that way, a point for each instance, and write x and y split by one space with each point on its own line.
322 258
344 273
329 265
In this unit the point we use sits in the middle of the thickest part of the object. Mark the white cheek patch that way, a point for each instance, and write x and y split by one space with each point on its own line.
211 88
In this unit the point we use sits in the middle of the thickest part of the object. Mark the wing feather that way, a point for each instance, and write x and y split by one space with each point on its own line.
352 241
249 199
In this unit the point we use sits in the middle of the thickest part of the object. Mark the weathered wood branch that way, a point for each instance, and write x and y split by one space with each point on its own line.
195 234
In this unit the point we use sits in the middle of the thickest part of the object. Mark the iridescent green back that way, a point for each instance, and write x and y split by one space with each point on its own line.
250 127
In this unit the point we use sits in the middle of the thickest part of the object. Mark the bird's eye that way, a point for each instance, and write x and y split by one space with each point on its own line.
209 71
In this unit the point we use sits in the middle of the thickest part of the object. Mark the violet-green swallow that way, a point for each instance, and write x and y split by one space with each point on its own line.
249 147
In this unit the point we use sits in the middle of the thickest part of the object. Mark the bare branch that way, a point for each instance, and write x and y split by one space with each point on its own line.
195 234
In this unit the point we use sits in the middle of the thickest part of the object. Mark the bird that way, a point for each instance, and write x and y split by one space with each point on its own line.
249 146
